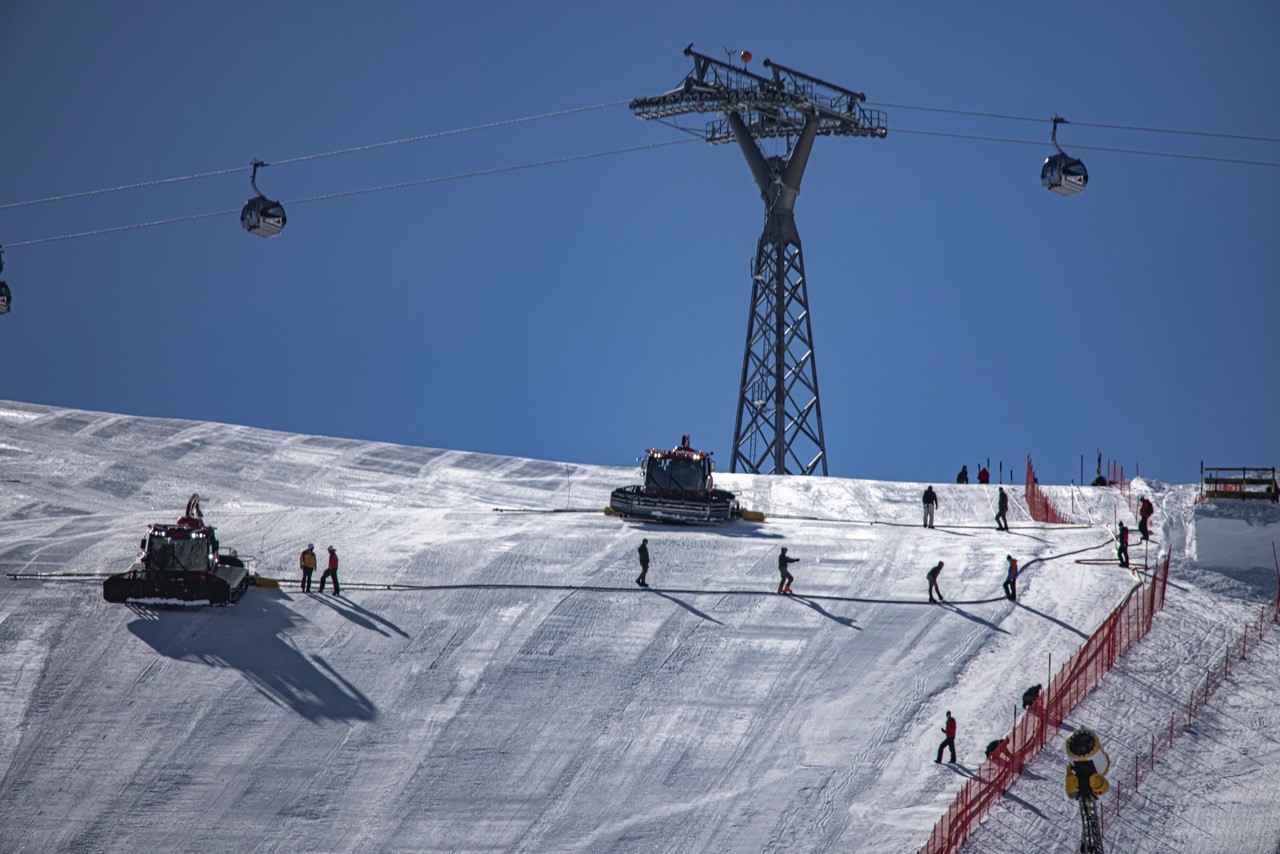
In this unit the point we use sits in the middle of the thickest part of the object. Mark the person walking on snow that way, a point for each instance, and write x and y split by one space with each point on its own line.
1011 580
331 572
1145 509
933 583
1122 547
930 499
307 562
949 730
963 477
784 583
1002 507
643 551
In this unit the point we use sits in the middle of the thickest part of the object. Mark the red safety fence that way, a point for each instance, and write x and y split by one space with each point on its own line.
1039 505
1122 628
1162 738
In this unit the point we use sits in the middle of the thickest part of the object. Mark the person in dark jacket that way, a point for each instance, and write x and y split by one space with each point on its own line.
963 477
1122 546
307 563
949 730
1002 507
930 500
331 572
1011 580
1145 509
933 583
643 551
784 583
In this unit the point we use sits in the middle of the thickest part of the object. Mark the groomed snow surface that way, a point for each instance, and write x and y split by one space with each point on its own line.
521 693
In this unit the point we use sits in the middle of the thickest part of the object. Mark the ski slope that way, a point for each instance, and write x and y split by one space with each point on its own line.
495 681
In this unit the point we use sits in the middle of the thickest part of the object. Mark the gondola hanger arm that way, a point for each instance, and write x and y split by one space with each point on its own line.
1053 136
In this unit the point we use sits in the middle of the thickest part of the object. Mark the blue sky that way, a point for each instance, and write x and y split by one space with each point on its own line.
587 310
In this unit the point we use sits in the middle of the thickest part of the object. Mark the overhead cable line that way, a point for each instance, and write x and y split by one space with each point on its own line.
1141 152
1004 116
480 172
116 228
345 194
305 157
573 110
443 133
137 186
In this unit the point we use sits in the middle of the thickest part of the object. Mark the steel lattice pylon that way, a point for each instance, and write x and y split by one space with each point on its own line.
778 428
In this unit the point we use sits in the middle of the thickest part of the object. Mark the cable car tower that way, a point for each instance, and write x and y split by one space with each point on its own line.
778 429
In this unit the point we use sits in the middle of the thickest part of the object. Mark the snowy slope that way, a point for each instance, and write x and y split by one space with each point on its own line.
1214 791
520 692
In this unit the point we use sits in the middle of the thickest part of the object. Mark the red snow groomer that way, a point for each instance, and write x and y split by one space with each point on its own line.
677 488
181 563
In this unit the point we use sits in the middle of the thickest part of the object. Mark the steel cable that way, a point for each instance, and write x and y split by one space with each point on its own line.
305 157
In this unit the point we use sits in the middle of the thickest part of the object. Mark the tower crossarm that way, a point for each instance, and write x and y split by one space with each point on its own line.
773 106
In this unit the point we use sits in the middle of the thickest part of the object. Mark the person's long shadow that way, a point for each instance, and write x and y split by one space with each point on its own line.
1054 620
248 637
1029 537
844 621
688 607
1023 803
362 617
963 613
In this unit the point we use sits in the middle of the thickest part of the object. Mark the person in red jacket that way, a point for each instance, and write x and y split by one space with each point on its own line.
984 476
1145 509
949 730
331 572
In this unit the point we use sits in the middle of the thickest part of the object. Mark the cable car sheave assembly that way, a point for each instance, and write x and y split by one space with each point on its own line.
777 106
778 429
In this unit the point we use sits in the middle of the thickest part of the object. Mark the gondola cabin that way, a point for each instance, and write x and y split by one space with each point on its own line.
262 217
6 298
1064 175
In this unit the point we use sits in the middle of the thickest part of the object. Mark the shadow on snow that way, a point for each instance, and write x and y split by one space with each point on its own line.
362 617
249 637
